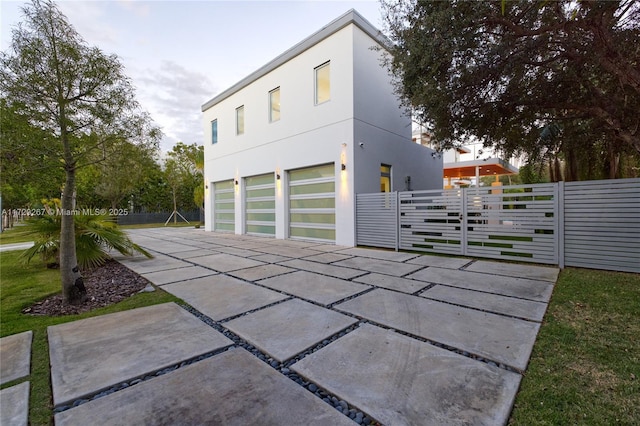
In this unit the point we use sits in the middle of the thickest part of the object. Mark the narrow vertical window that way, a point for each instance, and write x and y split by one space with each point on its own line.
385 178
240 120
274 105
214 131
322 83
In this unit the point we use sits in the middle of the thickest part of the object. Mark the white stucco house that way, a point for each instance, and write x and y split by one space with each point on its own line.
288 147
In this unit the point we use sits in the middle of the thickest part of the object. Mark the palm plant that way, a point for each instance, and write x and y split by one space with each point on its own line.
96 235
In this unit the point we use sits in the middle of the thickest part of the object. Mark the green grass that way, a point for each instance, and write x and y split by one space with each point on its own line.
14 235
20 287
585 365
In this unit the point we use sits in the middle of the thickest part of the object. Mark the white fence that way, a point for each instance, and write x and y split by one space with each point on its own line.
593 224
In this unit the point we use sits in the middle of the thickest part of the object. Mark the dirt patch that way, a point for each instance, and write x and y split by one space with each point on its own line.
106 285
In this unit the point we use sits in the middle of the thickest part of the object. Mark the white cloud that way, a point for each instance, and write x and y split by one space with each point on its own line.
173 96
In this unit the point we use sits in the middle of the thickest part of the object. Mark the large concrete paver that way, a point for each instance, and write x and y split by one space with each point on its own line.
534 272
261 272
377 265
14 405
394 283
94 353
394 256
318 288
237 251
321 268
181 274
270 258
402 381
328 257
293 252
498 338
170 247
516 287
142 265
15 356
527 309
221 297
232 388
224 262
289 328
439 261
195 253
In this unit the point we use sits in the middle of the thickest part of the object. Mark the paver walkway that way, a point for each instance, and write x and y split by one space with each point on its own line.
294 332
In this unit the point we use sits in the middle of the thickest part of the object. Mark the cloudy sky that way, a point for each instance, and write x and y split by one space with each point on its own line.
180 54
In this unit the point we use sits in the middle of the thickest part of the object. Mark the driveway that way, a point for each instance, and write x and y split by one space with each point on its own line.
290 332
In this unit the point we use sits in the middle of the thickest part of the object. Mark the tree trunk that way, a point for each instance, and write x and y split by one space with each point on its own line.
73 289
175 208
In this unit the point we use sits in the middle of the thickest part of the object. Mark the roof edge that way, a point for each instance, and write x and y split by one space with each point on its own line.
350 17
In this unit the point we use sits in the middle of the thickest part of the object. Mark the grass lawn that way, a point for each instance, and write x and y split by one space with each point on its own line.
20 286
585 366
14 235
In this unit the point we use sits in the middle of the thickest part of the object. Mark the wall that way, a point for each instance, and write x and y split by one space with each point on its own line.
383 128
306 134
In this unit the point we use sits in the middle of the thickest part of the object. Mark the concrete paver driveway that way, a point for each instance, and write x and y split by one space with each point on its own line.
304 333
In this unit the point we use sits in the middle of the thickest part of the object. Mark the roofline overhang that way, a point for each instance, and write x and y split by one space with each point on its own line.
350 17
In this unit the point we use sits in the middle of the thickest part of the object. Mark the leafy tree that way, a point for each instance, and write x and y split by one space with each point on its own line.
26 174
121 172
181 171
502 72
80 97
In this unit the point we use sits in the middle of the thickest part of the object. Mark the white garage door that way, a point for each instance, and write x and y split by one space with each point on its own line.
260 205
312 202
224 206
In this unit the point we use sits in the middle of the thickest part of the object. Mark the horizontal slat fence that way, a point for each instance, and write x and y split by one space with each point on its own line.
602 224
593 224
376 225
430 221
513 223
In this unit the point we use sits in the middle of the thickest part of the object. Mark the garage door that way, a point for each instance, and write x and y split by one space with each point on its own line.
312 202
224 206
260 205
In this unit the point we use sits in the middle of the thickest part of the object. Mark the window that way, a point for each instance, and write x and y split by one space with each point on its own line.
214 131
385 178
240 120
274 105
322 83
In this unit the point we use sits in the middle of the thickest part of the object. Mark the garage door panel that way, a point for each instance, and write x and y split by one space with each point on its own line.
260 205
224 206
312 203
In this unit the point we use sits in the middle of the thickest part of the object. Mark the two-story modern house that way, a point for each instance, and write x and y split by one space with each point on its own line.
289 147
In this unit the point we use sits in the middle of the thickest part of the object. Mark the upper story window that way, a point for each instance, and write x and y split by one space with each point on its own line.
274 105
322 83
240 120
214 131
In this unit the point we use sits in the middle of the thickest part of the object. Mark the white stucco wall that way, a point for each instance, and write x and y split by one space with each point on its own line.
384 129
362 109
306 134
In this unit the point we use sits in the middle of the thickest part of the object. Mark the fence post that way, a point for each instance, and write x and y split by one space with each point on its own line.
559 214
397 193
463 221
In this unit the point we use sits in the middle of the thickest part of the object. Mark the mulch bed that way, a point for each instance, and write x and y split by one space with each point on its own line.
106 285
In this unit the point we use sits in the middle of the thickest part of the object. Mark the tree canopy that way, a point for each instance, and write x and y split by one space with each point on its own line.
527 77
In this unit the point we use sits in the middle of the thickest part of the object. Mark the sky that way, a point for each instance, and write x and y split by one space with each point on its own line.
180 54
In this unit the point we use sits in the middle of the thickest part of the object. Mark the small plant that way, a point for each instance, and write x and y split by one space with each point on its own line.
96 235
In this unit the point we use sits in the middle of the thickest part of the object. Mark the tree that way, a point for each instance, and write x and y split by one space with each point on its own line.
469 70
121 172
181 171
27 175
80 97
